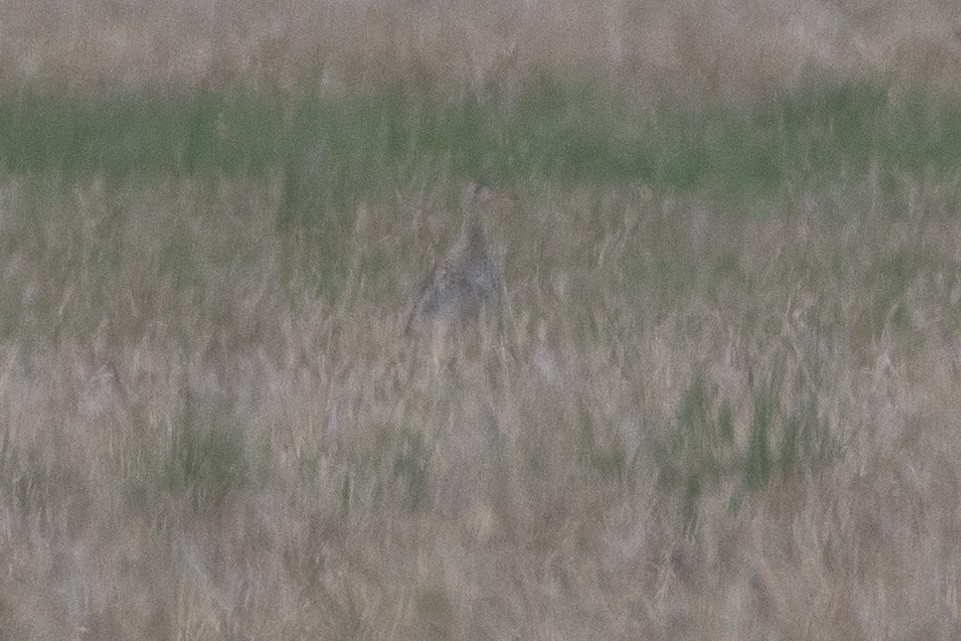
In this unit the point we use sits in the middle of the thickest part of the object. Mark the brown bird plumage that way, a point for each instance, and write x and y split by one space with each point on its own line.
465 279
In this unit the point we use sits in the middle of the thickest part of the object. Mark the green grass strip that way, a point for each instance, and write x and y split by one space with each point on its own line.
549 131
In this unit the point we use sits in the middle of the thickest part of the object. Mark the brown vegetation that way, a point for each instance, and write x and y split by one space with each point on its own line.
229 458
735 49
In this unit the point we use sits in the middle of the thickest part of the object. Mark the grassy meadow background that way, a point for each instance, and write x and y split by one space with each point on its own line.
721 399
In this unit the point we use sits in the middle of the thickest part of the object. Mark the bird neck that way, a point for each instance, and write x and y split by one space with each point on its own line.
473 232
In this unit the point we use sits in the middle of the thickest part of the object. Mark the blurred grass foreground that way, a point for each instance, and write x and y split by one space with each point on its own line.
720 398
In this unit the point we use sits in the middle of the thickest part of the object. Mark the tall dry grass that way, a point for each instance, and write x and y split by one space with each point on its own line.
735 49
200 445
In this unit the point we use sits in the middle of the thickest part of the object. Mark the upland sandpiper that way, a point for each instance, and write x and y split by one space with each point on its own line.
464 280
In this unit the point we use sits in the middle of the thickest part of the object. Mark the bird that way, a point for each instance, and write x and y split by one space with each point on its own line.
464 280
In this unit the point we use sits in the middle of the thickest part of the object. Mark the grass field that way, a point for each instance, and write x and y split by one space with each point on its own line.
720 399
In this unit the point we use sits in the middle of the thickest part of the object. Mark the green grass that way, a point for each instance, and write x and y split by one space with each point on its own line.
334 150
206 458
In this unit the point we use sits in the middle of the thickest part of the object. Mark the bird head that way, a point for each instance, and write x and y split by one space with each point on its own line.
478 194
